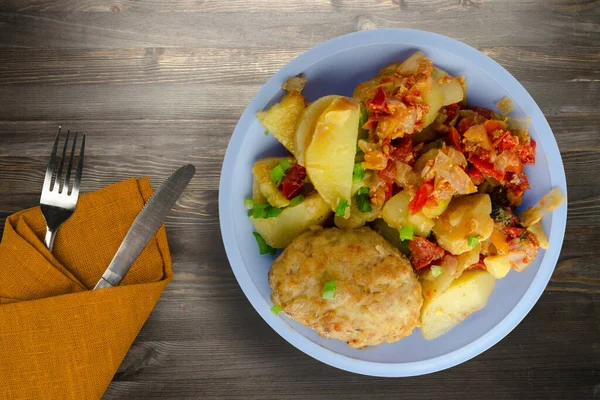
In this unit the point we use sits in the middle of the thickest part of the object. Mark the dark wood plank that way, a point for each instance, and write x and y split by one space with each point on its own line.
161 101
161 82
243 66
503 26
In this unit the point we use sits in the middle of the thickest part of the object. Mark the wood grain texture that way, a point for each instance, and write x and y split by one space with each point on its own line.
159 83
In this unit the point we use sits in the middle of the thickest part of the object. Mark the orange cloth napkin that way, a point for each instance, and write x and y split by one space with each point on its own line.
58 338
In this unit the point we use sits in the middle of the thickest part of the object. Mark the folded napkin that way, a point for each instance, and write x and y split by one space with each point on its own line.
58 338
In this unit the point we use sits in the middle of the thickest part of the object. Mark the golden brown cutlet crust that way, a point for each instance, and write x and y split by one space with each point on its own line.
378 297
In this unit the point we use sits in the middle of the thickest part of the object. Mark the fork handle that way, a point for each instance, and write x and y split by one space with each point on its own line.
49 239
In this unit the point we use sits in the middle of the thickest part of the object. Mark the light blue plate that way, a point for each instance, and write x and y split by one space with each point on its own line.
336 67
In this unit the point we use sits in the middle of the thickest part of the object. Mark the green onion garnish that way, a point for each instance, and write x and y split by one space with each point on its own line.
472 240
249 204
364 116
407 232
259 210
272 212
363 190
263 247
285 164
363 200
275 309
436 271
277 174
329 290
358 173
266 132
340 209
296 200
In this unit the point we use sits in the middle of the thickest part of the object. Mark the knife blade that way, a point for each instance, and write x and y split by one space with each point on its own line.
145 225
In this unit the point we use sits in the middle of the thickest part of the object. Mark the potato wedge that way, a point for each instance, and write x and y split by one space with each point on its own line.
279 231
465 216
257 195
395 214
498 265
433 287
282 118
464 296
262 175
306 124
357 218
329 158
551 200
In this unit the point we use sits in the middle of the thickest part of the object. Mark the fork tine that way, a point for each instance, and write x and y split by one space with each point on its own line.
70 167
79 170
51 163
61 164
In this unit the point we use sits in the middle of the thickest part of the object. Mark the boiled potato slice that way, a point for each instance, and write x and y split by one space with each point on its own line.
497 265
357 218
547 203
282 118
445 90
257 195
433 287
279 231
262 175
412 64
465 260
540 235
434 211
306 125
465 295
450 86
435 99
395 213
465 216
329 158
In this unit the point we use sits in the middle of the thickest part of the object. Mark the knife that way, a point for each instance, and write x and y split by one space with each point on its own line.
145 225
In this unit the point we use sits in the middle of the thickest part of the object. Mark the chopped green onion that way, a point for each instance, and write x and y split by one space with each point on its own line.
275 309
360 155
436 271
296 200
266 132
329 290
259 210
277 174
363 190
472 241
340 209
263 247
358 173
407 232
272 212
364 117
285 164
249 204
363 200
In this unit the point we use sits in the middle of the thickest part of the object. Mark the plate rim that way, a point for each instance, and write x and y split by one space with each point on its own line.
557 179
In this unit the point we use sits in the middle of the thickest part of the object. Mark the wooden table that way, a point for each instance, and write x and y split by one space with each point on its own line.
159 83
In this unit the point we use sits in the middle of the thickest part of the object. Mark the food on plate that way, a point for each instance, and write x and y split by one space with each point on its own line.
282 118
329 158
350 285
279 230
407 156
307 123
465 295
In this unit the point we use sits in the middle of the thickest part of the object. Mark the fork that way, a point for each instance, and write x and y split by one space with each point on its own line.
59 195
